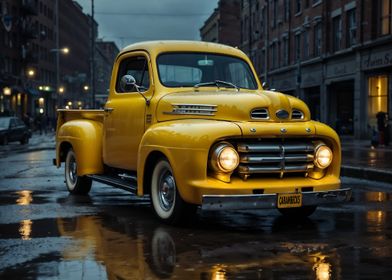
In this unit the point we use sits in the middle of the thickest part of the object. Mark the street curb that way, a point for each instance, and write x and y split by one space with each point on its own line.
366 173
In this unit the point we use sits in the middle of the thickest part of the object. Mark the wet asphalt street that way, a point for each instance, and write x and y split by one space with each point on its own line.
47 234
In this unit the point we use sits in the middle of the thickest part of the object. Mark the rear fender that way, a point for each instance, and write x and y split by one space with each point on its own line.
85 138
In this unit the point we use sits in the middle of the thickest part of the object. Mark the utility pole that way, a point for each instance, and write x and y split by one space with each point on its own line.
58 94
92 59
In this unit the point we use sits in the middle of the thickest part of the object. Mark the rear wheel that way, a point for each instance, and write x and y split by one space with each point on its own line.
75 184
25 140
165 199
4 141
298 213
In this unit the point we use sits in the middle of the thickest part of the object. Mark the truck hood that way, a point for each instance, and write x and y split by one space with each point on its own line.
229 105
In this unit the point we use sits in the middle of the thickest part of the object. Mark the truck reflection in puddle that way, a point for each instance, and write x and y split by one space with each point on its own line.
130 251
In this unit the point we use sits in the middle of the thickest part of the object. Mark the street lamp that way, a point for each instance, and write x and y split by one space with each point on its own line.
86 88
30 73
65 51
7 91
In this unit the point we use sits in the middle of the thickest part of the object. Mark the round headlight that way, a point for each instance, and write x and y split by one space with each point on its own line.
224 158
323 157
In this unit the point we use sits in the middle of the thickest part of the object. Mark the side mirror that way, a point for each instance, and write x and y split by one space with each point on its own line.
265 85
127 83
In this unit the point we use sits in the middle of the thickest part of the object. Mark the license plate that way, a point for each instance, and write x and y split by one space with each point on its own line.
289 200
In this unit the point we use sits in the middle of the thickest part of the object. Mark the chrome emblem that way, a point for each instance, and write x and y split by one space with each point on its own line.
253 130
282 114
283 130
308 130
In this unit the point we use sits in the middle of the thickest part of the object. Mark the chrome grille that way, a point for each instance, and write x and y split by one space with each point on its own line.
297 115
275 157
193 109
259 114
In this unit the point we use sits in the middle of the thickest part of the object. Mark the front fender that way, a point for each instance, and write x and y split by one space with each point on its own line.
185 143
85 137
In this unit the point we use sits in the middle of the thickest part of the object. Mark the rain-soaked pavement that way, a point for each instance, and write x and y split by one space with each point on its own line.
46 233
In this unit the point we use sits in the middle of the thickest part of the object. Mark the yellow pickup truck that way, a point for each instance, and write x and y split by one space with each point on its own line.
189 124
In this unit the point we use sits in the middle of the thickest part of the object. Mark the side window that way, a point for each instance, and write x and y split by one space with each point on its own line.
138 68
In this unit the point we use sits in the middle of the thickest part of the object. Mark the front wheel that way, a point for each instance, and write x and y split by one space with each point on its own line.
75 184
165 199
298 213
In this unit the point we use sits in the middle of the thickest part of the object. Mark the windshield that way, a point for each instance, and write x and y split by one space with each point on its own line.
190 69
4 123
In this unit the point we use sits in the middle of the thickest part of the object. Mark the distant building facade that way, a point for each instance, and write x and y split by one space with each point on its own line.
75 32
19 56
335 55
223 26
28 57
105 55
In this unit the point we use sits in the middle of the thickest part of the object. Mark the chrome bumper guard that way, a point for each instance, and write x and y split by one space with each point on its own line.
265 201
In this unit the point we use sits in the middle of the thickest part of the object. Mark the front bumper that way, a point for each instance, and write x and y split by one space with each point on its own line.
265 201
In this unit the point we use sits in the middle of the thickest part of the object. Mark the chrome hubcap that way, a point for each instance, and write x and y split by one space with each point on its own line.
166 190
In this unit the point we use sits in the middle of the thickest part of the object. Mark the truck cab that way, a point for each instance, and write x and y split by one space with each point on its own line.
189 124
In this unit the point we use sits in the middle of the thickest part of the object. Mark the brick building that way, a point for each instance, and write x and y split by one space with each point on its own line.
105 55
18 29
335 55
28 56
223 26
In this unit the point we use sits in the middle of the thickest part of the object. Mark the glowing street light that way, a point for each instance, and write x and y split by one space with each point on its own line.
61 89
30 73
64 50
7 91
86 88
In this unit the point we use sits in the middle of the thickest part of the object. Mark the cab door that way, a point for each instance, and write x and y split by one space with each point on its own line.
124 122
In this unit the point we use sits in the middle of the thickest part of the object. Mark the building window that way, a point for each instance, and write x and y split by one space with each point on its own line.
297 40
262 29
378 95
298 6
351 36
285 51
337 33
386 17
286 10
275 12
305 47
317 39
274 55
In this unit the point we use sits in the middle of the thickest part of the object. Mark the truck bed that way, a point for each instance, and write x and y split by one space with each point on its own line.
65 115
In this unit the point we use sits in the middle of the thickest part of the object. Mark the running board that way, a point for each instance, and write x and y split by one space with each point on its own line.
128 184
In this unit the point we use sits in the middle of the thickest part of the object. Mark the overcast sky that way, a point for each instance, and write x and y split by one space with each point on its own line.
129 21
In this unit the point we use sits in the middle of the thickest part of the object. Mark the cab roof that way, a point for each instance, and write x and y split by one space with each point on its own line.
156 47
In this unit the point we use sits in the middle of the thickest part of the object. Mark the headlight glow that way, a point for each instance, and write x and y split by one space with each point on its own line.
224 158
323 156
228 159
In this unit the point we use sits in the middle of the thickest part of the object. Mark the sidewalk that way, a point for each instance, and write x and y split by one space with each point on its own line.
36 142
359 160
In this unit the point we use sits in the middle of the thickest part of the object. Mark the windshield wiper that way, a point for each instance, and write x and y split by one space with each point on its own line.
217 83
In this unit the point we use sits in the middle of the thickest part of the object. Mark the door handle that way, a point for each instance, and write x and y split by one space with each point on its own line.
108 110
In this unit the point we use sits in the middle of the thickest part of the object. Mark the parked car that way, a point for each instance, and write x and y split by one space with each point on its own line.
13 129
